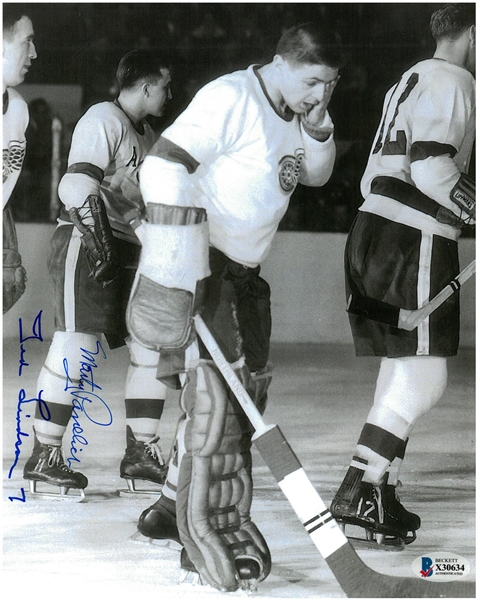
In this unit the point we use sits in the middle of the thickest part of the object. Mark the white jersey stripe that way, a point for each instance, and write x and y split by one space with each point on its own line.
423 291
69 283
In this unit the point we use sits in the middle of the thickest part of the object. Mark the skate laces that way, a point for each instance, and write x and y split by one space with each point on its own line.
55 459
153 448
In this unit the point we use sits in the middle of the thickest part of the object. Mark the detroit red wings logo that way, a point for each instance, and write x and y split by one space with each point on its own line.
290 170
13 158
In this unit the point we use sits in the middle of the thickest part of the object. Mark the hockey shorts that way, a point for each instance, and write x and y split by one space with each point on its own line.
405 267
81 303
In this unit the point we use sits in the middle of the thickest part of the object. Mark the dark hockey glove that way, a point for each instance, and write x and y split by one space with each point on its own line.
463 195
14 278
97 239
14 275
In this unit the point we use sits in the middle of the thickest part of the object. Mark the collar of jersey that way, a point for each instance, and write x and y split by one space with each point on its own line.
289 114
140 128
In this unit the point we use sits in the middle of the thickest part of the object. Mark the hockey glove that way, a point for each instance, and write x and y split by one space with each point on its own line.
14 278
463 195
97 239
14 275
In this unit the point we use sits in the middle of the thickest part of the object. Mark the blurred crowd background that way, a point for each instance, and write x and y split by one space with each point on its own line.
81 43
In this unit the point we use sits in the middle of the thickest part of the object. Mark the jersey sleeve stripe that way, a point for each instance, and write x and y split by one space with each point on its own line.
168 150
423 150
405 193
85 168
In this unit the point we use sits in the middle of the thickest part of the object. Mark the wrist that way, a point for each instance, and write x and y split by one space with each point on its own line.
320 132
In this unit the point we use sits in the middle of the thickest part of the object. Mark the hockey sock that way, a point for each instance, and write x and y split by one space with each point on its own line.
408 387
376 449
69 368
143 416
394 469
144 394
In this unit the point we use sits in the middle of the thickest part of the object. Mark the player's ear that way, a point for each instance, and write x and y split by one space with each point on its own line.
278 61
472 35
145 90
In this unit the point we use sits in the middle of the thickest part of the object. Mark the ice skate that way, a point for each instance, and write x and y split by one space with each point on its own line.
46 465
142 460
396 512
158 525
386 523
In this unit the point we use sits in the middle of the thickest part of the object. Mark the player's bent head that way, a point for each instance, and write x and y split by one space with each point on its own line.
12 13
452 20
140 66
309 43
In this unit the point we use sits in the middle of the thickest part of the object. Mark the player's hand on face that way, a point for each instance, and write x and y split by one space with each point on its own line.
314 118
316 115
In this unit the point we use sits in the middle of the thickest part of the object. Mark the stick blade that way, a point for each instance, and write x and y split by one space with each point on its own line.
360 581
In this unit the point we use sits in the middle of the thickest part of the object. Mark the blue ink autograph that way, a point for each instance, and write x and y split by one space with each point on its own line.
44 411
84 394
36 334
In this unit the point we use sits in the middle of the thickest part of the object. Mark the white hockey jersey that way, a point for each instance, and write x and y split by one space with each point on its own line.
245 160
425 139
105 157
15 122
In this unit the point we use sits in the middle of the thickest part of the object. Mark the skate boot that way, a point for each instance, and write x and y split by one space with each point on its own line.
142 460
159 522
46 464
396 513
366 509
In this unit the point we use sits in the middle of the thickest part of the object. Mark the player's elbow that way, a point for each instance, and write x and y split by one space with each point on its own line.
74 189
317 177
163 182
435 177
317 167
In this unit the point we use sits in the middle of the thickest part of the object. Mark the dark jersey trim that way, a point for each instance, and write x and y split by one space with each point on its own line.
87 169
168 150
289 114
5 102
423 150
405 193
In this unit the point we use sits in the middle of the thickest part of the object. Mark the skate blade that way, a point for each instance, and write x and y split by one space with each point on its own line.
372 539
191 577
248 585
63 495
132 492
139 538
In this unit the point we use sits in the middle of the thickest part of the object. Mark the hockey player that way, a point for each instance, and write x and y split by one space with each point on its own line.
18 53
92 265
402 250
216 186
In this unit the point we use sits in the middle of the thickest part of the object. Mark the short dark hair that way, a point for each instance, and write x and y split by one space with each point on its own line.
140 65
312 44
452 20
12 13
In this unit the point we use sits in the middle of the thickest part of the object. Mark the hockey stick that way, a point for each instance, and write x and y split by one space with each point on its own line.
400 317
355 578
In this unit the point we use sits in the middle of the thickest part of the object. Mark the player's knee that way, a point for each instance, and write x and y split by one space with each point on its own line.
70 350
412 386
141 356
141 381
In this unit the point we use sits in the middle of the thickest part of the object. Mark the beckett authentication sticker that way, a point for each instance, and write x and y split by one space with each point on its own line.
441 566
